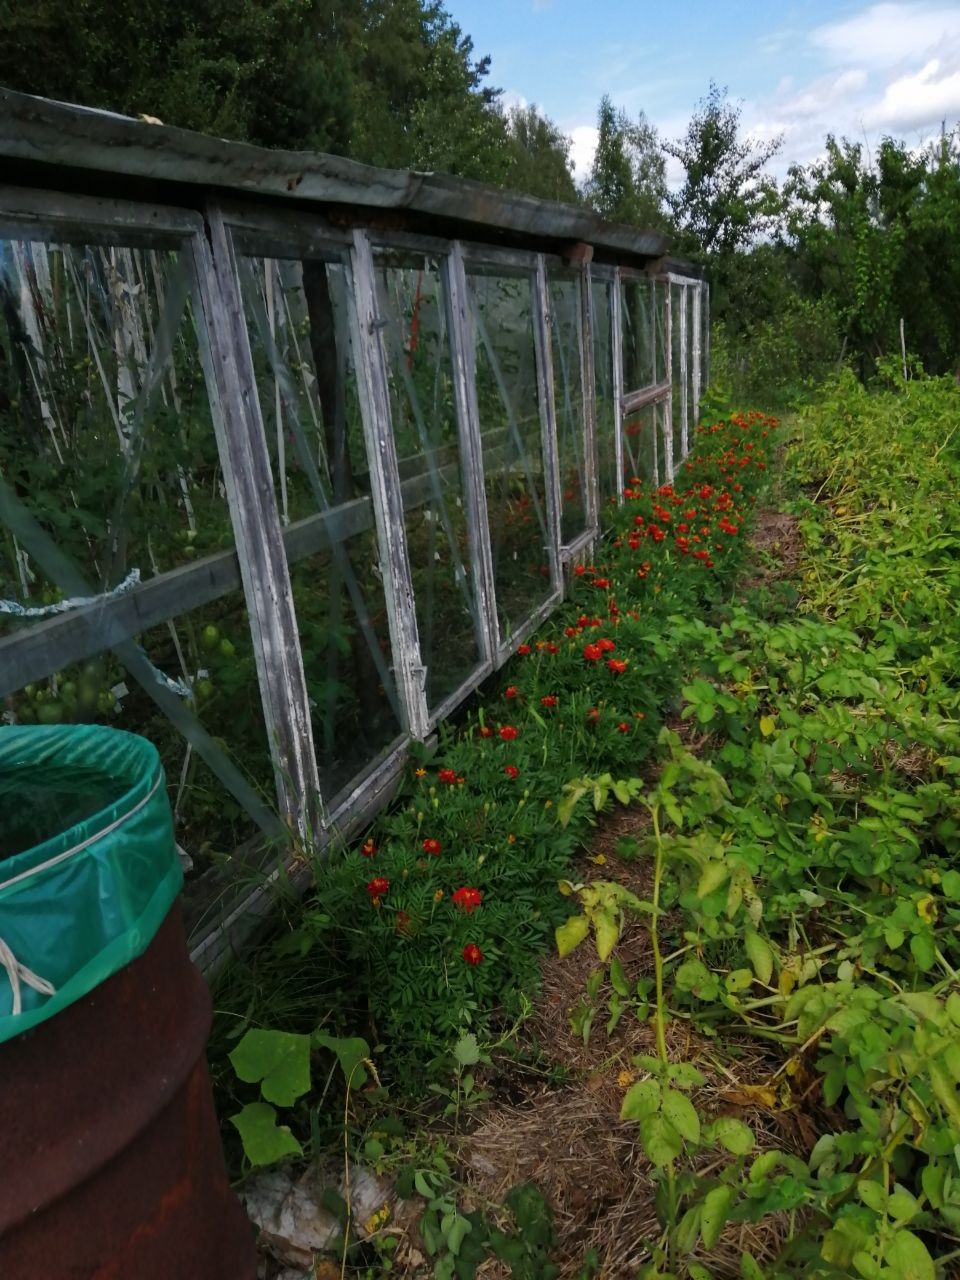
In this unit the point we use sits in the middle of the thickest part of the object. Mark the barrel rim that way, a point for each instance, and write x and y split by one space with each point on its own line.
132 760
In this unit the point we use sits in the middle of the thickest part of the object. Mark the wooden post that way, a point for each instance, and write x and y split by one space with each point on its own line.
256 522
588 375
697 344
668 362
374 392
683 373
548 419
616 341
468 422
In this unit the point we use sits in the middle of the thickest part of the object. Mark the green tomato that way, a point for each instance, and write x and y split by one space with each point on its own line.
26 715
50 713
227 648
209 637
105 702
88 695
204 690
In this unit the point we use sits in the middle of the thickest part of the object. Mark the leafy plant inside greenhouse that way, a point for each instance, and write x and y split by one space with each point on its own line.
527 528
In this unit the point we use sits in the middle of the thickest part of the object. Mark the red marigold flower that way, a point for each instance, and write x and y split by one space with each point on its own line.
580 570
447 775
605 645
467 899
511 691
507 732
592 652
486 731
523 649
617 666
593 714
402 922
368 848
601 582
549 700
511 771
570 632
376 888
432 846
472 954
623 726
552 648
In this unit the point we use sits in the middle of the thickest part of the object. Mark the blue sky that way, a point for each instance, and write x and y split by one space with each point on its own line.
801 67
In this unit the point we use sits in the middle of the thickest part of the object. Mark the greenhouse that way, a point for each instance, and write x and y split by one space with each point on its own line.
294 452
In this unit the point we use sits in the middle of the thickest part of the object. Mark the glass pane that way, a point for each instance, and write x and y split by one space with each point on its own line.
677 335
109 461
641 446
637 299
609 481
506 379
692 294
567 354
297 318
411 301
660 297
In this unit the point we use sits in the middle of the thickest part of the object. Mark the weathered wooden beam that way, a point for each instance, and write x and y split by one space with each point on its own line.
374 394
616 332
253 508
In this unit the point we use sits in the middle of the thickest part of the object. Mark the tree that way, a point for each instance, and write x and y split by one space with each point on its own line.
879 236
726 201
627 181
539 156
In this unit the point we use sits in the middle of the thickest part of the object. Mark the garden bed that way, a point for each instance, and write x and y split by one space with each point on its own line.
783 1101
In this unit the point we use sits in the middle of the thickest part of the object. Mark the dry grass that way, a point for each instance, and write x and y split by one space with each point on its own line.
570 1141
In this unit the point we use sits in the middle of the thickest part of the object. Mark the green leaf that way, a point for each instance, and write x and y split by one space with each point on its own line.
350 1051
618 979
686 1076
713 1218
264 1141
872 1194
950 885
922 950
739 980
682 1114
750 1268
570 935
641 1100
908 1257
731 1134
713 875
760 955
660 1140
279 1060
466 1050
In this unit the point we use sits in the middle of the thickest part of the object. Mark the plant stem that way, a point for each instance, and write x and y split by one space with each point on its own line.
654 935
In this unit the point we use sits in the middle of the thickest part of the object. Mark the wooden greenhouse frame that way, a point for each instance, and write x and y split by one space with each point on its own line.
74 174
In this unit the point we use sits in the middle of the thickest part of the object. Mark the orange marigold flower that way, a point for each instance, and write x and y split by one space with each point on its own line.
368 848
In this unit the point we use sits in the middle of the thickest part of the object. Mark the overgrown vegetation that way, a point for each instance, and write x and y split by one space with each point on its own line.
803 889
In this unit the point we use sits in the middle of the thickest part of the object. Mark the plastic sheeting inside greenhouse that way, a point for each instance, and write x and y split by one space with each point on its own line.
294 453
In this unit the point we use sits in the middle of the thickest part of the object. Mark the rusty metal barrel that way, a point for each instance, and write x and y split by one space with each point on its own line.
112 1166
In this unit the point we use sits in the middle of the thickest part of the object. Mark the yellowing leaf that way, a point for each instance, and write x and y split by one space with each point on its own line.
570 935
760 955
768 725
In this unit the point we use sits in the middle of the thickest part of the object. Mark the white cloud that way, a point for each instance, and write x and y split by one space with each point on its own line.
921 99
884 35
583 138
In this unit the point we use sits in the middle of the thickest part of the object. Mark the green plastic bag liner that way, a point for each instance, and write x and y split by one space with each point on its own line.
88 863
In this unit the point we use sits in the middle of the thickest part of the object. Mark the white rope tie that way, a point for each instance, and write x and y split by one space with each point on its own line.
18 973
